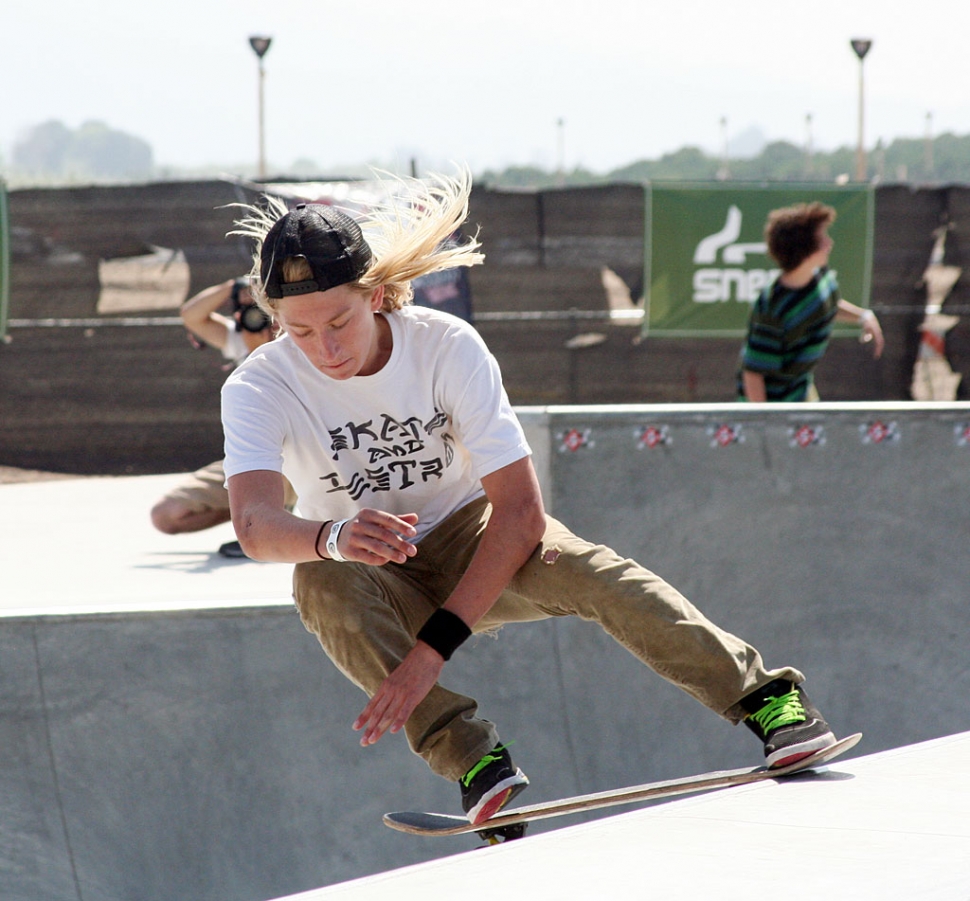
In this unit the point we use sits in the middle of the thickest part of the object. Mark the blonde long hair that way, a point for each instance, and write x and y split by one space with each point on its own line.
408 235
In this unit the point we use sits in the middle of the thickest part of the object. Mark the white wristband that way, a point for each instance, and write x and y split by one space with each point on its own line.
865 316
332 541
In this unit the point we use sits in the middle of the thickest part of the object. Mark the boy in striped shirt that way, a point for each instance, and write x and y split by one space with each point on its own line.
791 321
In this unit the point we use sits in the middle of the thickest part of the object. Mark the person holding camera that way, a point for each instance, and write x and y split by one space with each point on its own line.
234 337
201 501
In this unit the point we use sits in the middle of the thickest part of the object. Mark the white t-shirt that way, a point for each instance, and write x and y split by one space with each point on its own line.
235 348
416 437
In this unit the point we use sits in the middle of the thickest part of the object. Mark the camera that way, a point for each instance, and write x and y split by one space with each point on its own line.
251 318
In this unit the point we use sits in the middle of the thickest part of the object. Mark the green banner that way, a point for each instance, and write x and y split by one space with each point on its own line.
707 260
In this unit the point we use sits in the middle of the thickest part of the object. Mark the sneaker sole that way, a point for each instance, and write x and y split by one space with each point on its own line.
495 800
787 756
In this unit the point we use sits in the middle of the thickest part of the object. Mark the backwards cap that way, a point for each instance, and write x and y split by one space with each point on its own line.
330 241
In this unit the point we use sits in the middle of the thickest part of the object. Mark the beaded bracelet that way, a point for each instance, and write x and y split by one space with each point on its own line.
316 544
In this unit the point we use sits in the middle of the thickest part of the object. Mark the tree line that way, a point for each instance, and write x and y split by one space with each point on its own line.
52 153
944 159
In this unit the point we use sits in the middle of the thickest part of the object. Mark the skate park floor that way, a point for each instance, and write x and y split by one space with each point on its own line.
87 545
890 824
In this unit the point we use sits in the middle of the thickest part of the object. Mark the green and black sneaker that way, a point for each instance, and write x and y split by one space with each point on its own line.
489 785
788 723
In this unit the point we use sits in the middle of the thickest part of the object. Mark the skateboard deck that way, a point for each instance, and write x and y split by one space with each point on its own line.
418 823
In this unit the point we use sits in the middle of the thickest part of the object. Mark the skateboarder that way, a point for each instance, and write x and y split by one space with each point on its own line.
421 517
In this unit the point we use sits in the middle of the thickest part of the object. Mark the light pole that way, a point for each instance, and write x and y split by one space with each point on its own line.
724 172
561 151
928 147
809 162
861 47
260 45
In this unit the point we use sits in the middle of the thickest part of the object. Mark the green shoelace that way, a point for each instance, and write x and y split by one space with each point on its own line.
779 712
484 762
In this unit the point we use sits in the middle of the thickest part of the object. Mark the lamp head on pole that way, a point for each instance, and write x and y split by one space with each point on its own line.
861 47
260 45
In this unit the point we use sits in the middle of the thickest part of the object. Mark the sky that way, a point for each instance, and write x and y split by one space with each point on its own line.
487 84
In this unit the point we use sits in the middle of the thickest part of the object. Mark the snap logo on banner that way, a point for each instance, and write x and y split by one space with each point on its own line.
713 284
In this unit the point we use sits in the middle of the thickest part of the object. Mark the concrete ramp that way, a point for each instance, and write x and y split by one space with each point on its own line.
170 731
880 828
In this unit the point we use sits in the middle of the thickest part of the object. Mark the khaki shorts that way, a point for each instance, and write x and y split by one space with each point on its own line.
205 489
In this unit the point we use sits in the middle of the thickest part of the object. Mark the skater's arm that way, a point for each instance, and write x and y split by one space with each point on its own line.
514 528
267 531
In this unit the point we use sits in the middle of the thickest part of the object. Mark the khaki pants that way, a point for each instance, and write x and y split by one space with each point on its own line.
366 618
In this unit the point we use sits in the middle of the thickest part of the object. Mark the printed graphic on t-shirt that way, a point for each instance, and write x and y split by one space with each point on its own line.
398 454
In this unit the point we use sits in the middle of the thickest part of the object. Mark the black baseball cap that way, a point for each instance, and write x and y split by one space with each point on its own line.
330 241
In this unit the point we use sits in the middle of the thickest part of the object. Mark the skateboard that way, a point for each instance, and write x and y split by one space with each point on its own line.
510 824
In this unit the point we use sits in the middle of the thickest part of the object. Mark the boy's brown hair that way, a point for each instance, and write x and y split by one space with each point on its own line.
792 232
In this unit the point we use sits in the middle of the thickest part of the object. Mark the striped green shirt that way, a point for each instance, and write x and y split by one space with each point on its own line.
788 332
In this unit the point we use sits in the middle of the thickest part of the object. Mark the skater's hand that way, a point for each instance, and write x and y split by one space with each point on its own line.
399 694
376 537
